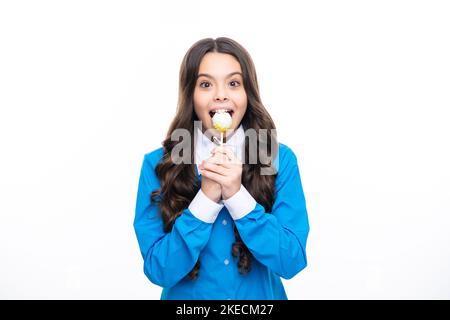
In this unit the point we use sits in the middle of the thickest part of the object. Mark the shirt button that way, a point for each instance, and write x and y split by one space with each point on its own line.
224 222
226 262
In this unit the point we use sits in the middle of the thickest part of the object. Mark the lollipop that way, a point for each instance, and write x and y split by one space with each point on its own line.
222 122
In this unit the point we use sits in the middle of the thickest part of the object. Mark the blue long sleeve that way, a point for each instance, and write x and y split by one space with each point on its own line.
278 240
168 257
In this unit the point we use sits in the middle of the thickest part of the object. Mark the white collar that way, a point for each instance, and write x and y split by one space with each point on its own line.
204 146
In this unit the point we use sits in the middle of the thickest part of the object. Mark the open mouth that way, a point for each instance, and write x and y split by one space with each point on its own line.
213 112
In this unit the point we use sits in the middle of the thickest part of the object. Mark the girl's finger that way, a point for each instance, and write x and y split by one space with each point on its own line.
228 152
215 168
213 176
220 159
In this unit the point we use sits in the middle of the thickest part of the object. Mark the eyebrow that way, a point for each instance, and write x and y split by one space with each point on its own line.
210 76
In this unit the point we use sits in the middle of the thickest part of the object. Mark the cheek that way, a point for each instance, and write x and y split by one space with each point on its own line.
241 101
200 103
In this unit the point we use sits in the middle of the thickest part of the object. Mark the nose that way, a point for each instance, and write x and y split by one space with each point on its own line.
221 94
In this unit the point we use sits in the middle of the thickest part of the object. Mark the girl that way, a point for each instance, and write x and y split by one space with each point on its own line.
216 226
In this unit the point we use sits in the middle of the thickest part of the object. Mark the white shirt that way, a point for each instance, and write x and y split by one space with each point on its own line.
241 203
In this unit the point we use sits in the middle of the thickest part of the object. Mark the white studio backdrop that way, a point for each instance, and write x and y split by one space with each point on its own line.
358 89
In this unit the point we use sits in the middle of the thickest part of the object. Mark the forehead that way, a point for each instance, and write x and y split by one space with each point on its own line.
219 64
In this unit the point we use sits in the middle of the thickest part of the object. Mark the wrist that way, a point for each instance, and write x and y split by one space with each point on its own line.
228 193
211 195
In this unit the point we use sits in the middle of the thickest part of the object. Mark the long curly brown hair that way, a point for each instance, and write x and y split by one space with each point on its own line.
179 183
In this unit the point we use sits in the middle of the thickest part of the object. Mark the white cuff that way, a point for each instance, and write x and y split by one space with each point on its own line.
204 208
240 204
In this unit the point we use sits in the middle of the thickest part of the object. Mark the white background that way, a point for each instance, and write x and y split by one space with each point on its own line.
358 89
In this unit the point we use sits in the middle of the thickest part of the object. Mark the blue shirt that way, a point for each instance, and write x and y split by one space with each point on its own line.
277 241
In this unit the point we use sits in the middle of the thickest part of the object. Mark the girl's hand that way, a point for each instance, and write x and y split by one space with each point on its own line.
224 168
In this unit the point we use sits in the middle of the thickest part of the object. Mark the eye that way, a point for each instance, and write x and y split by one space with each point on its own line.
236 83
204 82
